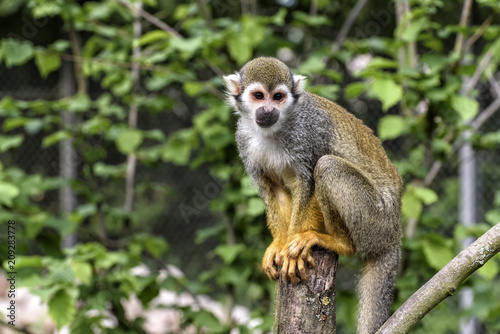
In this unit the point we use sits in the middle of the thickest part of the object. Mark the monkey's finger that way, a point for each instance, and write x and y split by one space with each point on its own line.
306 251
284 268
278 258
310 261
302 269
272 273
294 249
291 271
268 266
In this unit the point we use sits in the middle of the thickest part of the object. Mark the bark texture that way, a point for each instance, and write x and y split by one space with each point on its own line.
308 307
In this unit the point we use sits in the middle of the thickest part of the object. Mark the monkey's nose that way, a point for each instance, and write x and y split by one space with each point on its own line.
266 118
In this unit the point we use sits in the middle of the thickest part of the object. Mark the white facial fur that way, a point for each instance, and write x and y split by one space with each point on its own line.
250 104
262 147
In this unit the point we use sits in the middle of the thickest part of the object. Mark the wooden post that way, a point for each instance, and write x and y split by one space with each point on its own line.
308 307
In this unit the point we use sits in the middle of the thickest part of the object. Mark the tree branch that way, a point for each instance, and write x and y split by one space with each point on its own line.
485 114
132 116
444 283
76 50
464 17
152 19
346 27
165 27
479 70
479 32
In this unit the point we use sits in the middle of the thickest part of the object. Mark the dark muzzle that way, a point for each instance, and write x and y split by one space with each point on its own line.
266 118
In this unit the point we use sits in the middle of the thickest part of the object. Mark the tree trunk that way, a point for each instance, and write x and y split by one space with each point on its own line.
308 307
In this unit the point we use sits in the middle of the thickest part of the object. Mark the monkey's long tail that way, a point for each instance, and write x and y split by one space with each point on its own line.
375 290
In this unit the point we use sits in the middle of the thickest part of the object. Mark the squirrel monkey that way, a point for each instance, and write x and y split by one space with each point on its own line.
325 180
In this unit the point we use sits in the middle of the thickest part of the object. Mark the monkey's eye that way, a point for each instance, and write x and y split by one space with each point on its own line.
258 96
278 97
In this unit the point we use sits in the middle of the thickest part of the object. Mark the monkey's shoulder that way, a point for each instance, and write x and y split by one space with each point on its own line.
345 123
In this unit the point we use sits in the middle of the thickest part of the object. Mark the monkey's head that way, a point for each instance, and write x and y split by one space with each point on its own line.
264 90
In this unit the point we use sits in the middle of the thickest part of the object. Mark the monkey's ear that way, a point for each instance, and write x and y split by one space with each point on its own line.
299 84
233 83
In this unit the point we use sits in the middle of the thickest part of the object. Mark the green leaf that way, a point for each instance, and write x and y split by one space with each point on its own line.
82 271
96 125
228 253
24 261
411 205
490 270
8 107
186 46
62 308
313 64
192 88
103 170
379 62
391 127
311 20
14 123
412 32
255 207
240 48
436 252
354 89
47 63
179 145
110 259
79 103
8 192
466 107
129 140
493 216
426 195
16 52
55 138
253 29
387 91
153 36
8 142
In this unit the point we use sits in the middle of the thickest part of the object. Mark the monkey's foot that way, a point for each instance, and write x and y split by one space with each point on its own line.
288 270
299 245
272 259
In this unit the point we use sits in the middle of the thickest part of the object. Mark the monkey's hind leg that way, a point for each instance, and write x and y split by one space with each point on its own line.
370 215
368 212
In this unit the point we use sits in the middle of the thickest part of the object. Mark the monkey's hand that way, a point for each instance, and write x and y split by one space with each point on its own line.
272 259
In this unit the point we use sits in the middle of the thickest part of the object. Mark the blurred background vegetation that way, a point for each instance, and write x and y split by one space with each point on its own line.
118 160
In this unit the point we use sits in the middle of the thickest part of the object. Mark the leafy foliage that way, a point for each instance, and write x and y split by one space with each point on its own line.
180 72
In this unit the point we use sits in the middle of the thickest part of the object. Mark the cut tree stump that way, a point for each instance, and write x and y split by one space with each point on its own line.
308 307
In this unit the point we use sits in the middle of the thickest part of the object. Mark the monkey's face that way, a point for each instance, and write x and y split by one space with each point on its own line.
266 107
264 92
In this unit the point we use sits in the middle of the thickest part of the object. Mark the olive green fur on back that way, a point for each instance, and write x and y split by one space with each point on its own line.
357 142
268 71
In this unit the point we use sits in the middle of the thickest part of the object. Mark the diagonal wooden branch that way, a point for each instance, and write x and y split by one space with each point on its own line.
151 18
444 283
482 29
464 17
165 27
344 31
472 82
